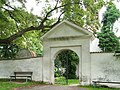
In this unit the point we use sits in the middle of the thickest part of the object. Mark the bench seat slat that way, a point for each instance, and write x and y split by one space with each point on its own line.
23 73
95 82
20 76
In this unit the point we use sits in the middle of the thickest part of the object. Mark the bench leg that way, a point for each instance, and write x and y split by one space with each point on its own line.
10 79
26 79
31 78
94 84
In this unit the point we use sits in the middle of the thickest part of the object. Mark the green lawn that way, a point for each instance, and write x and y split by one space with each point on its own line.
62 81
6 85
99 88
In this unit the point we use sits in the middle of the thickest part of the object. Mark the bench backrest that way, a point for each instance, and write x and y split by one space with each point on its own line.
23 73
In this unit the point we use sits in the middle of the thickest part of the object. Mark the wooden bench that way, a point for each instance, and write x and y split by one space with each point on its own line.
22 75
97 82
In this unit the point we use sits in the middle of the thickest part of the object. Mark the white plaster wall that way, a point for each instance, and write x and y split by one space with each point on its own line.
105 67
7 67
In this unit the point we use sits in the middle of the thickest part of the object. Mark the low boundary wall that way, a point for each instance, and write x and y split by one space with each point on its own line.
105 67
7 67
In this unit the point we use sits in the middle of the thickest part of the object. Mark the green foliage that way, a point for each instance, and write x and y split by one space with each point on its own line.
111 15
58 67
13 21
83 12
108 41
16 18
8 51
73 60
31 40
60 80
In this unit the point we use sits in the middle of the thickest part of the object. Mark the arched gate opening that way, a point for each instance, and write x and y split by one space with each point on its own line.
66 67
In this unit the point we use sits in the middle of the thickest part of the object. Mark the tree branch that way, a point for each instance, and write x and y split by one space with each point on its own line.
58 21
18 34
45 18
8 40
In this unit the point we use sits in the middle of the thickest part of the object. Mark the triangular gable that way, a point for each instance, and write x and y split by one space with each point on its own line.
66 29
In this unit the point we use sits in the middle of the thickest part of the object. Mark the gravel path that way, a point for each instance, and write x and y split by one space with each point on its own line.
52 87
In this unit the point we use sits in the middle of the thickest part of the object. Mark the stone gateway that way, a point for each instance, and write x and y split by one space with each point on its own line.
67 35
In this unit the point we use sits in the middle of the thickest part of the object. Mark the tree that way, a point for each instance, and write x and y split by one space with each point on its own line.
24 21
108 41
67 57
84 14
17 24
41 22
13 21
13 24
8 51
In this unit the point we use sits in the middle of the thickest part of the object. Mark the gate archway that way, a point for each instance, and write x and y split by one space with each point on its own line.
66 67
67 35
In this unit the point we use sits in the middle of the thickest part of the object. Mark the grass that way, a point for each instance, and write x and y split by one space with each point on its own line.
62 81
99 88
6 85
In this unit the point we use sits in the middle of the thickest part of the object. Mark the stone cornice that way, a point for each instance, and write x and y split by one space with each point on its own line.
67 38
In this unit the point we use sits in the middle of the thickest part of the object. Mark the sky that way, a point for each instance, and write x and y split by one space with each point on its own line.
37 6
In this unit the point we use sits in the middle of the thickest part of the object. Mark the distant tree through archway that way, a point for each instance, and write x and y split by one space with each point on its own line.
66 63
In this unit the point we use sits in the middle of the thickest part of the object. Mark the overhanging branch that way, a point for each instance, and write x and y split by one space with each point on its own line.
39 27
